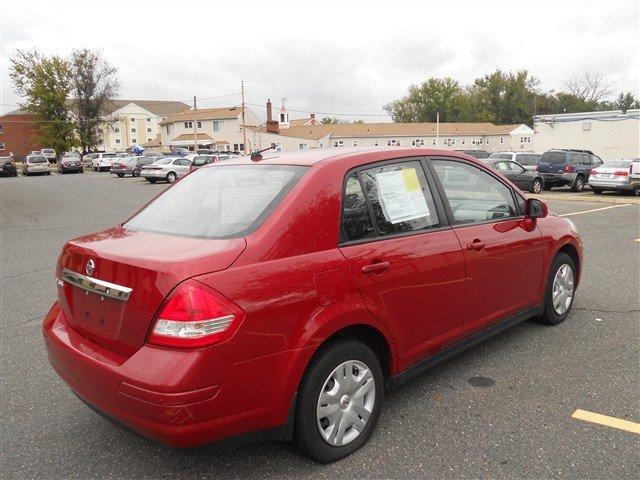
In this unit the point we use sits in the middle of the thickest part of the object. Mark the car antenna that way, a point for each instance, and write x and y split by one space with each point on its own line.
257 155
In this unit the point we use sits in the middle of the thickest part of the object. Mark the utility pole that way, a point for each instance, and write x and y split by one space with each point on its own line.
244 127
195 126
437 130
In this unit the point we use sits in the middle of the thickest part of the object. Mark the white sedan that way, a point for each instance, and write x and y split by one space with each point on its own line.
166 168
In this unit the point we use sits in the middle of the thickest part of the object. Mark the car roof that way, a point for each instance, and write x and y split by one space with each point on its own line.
358 155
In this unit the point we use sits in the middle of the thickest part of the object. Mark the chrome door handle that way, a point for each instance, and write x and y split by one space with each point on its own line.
377 267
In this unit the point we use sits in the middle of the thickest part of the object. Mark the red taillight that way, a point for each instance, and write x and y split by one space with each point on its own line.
593 171
568 168
194 316
621 173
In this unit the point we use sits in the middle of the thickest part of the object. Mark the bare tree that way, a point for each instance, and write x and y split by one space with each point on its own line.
94 85
591 87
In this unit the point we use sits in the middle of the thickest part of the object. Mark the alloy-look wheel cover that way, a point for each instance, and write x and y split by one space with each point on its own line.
346 402
562 294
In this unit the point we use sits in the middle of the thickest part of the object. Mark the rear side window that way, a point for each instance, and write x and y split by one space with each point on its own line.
399 198
574 157
202 160
474 195
356 220
528 159
219 202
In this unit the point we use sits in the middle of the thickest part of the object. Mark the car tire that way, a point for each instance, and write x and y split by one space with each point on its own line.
310 429
171 177
546 187
152 180
636 190
120 175
555 311
578 184
597 191
536 186
48 173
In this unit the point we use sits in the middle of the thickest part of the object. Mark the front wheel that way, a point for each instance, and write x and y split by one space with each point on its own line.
171 177
560 290
597 191
536 186
578 184
339 401
120 175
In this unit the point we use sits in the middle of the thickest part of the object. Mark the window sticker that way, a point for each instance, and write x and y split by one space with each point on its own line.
400 195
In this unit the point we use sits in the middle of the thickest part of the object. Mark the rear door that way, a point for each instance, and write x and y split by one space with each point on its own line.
503 251
519 176
406 260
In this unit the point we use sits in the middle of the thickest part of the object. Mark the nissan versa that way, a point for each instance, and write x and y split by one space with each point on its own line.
280 297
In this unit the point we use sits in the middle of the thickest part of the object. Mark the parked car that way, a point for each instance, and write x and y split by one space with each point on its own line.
613 176
35 164
524 179
142 161
124 165
205 151
71 164
102 162
8 167
560 167
49 154
479 154
528 160
180 152
202 160
284 296
167 168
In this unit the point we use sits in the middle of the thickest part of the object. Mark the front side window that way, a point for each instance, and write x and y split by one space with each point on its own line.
399 197
473 194
227 201
502 166
356 221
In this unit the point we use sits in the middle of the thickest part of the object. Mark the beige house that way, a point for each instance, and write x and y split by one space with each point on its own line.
136 121
610 135
216 128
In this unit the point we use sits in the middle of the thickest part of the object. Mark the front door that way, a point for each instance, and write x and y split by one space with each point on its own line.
503 251
407 262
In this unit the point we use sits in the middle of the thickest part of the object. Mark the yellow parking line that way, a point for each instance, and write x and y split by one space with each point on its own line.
607 421
595 209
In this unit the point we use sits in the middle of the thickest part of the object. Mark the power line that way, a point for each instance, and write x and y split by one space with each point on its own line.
350 114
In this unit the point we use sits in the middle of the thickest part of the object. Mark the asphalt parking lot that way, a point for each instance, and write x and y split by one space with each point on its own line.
501 410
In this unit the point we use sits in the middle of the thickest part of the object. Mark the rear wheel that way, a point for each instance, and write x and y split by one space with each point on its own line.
339 401
120 174
171 177
636 190
546 186
560 290
597 191
578 184
152 180
536 186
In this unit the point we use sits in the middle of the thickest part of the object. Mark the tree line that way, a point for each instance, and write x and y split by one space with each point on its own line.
504 98
68 95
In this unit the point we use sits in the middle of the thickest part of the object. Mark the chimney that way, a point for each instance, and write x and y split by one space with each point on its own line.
269 113
312 118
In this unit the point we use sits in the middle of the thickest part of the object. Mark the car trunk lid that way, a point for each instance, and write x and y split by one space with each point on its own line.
150 264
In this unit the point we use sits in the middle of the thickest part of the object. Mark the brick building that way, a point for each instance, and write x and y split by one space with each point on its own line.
19 134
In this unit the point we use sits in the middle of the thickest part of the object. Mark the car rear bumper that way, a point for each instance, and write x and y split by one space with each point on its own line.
558 178
610 184
181 398
71 168
154 174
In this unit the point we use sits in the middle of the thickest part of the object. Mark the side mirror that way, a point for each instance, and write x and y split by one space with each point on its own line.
534 208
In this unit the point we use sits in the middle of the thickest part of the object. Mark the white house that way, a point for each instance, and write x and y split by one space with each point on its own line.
610 135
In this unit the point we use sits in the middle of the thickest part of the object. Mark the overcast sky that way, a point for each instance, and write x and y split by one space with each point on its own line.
334 57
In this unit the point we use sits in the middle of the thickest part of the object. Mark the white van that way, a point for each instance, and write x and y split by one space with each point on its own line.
528 160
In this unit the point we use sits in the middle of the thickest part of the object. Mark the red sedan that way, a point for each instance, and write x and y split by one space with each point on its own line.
280 298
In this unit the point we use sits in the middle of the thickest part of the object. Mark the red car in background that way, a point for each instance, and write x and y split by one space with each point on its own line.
284 295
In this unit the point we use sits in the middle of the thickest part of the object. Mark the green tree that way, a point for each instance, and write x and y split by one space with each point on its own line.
94 85
626 101
503 98
337 121
423 102
46 84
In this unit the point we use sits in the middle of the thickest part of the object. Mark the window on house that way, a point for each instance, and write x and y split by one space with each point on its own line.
148 130
376 143
434 142
132 119
338 143
199 124
463 142
525 139
302 146
449 142
116 130
355 143
238 147
393 143
501 140
1 145
117 140
418 142
133 130
487 141
1 129
167 127
134 140
148 119
188 124
217 126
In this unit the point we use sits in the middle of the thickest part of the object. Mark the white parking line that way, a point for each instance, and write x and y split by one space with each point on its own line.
595 210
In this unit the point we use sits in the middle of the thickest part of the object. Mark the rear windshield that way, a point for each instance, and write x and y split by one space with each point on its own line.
618 163
109 155
165 161
506 156
146 161
203 160
219 202
48 150
553 157
38 159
